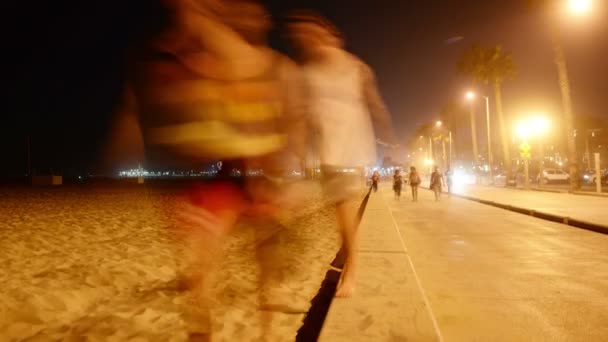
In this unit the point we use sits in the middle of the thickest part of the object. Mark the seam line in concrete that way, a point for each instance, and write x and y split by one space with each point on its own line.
420 288
369 251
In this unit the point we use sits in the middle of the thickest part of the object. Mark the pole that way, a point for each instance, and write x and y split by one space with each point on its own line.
598 174
587 152
526 173
490 161
444 159
431 159
541 163
474 136
29 159
313 168
450 156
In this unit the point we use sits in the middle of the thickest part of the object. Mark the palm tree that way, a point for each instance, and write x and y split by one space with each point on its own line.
450 115
564 86
491 65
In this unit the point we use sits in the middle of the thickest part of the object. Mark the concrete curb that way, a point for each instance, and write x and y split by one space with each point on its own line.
598 228
592 194
556 191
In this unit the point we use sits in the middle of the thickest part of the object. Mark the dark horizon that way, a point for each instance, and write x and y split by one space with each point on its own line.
65 66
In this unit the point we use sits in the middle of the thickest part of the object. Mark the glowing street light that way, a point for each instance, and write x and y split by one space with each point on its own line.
438 123
470 95
534 127
580 7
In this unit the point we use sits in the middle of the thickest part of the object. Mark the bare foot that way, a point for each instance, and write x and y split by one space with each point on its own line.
346 289
346 285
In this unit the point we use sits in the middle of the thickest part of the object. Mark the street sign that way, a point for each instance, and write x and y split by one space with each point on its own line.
525 150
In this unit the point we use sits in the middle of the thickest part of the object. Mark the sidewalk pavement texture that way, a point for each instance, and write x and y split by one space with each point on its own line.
587 209
457 270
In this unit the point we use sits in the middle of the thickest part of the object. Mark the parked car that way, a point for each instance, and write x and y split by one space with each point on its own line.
588 176
501 179
554 176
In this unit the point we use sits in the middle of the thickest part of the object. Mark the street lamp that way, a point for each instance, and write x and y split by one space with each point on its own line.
580 7
470 96
535 126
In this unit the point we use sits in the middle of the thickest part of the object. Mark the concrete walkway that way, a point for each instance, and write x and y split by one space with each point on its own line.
458 270
586 208
389 304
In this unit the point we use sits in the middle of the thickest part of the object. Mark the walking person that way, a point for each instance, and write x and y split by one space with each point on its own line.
375 180
397 183
209 88
449 179
414 180
345 109
436 183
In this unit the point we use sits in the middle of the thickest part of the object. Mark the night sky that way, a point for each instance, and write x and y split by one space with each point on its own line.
64 65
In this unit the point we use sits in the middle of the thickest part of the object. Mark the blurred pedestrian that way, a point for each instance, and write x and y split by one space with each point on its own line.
208 88
375 180
345 108
436 183
397 183
449 178
414 180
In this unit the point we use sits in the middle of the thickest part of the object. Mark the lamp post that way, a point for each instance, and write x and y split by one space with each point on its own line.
431 156
470 96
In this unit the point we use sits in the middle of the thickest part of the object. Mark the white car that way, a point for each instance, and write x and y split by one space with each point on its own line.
555 175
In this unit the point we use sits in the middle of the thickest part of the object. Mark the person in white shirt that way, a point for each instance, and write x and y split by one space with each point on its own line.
344 109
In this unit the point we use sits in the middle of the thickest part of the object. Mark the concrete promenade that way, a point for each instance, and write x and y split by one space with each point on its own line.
459 270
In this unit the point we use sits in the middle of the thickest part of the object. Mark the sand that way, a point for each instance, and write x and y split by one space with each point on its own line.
95 264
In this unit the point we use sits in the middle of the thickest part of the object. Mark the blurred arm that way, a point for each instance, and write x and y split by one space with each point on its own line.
381 118
295 108
202 41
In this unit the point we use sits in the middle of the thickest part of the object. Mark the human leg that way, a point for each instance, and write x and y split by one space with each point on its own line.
345 215
204 221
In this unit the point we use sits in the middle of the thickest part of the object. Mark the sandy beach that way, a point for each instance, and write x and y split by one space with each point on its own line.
97 264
